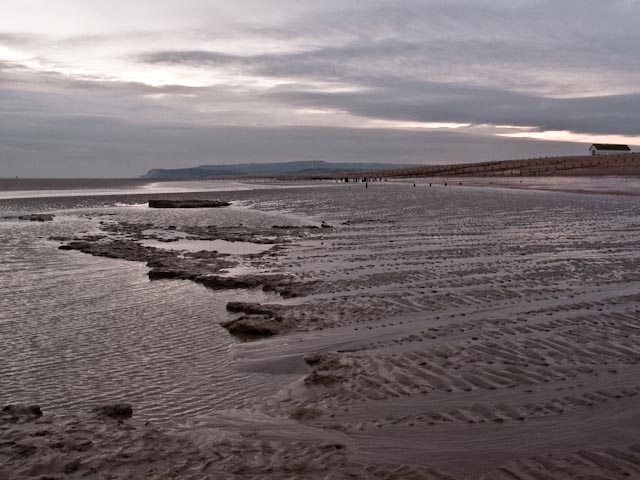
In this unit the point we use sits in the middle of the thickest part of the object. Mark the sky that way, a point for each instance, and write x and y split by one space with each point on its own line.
113 88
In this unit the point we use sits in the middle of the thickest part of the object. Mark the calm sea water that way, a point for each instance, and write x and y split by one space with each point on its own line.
39 188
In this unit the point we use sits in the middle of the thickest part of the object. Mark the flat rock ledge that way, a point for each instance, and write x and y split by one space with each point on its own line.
32 217
198 267
20 413
253 327
257 321
284 285
188 203
253 308
37 217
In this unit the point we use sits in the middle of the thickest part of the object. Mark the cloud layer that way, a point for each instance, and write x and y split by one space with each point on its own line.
112 89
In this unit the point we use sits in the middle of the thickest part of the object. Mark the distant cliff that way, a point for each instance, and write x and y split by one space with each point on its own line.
260 169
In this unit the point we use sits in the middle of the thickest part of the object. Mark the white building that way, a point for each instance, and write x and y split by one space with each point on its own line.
608 149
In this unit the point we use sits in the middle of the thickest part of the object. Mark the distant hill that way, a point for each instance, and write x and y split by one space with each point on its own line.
261 169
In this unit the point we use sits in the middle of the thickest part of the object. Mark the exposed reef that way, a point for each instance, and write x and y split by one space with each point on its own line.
188 203
32 217
125 241
258 320
255 326
117 411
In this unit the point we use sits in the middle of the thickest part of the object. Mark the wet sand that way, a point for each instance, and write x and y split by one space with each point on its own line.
604 184
444 332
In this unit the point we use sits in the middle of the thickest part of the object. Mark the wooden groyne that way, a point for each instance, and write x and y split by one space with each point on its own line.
583 165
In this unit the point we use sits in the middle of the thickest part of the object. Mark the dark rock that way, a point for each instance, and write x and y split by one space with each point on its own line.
188 203
122 249
333 446
217 282
254 326
37 217
287 293
270 283
117 411
21 413
305 413
82 446
285 227
72 466
166 274
324 361
206 254
322 379
250 308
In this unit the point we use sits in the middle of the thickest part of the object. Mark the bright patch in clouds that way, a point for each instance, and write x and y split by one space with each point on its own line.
416 125
11 55
566 136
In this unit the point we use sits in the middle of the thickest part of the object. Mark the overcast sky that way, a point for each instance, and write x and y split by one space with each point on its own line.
115 87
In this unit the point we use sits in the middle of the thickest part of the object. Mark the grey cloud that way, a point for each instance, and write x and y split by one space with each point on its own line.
194 57
388 97
81 146
19 39
479 62
467 62
584 33
429 102
358 60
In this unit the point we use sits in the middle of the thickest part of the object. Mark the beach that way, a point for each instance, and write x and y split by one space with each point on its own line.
473 331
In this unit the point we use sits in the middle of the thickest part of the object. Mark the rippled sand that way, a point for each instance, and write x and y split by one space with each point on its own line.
445 332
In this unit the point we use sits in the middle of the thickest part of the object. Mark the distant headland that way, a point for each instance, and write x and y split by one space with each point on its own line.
579 165
269 169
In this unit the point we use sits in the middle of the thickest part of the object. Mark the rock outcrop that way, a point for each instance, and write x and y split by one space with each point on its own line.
121 249
252 308
33 217
117 411
188 203
20 413
254 326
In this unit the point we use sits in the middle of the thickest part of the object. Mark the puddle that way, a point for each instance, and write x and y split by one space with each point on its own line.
222 246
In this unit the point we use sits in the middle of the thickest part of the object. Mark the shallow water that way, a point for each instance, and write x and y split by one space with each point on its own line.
35 188
77 330
221 246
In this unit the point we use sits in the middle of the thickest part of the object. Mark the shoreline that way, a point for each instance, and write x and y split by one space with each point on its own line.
609 184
